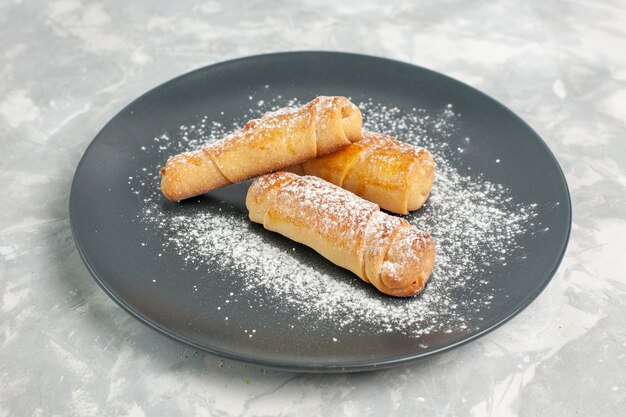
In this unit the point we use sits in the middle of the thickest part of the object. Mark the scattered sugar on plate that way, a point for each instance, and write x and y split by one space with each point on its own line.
475 224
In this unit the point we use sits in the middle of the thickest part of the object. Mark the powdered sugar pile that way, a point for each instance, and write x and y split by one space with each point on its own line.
474 223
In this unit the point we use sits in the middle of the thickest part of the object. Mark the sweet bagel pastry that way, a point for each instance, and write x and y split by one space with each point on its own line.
351 232
395 175
276 140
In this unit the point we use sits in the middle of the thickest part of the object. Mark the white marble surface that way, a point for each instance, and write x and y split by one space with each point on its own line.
67 66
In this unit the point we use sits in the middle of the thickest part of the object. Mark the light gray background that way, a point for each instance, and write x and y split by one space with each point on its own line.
66 67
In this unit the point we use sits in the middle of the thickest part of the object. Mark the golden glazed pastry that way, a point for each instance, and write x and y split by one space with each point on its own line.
393 174
276 140
346 229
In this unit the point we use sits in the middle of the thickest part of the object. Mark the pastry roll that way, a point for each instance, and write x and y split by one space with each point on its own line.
351 232
393 174
276 140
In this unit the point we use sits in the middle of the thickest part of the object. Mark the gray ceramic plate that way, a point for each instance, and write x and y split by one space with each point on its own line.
125 256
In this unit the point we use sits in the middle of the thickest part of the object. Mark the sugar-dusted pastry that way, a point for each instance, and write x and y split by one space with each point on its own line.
393 174
276 140
349 231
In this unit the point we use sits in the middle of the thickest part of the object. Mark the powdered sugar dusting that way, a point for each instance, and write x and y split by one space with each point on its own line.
475 224
344 213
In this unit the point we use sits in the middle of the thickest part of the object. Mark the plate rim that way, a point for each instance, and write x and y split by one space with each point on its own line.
293 366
